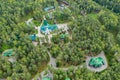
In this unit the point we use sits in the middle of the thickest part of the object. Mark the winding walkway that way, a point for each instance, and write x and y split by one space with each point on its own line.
52 63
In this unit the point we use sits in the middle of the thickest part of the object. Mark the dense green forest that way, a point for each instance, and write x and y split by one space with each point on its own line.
93 27
112 5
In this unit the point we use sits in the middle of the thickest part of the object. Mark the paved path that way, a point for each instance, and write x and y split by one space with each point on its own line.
12 59
102 55
39 33
52 63
64 27
29 21
35 43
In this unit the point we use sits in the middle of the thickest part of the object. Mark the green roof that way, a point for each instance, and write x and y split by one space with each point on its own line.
33 37
46 78
46 26
63 36
8 52
67 79
45 23
49 8
96 62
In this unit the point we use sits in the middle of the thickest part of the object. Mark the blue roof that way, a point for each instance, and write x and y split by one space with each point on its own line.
49 8
33 37
46 26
